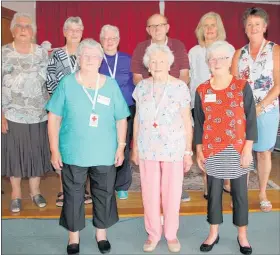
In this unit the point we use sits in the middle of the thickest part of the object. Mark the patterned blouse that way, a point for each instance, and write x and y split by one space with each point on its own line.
165 141
59 67
259 73
224 117
24 94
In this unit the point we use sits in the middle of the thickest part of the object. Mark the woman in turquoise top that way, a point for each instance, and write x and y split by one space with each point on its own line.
87 132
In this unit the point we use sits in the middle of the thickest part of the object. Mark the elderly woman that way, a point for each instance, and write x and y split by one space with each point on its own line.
87 131
225 129
259 63
117 65
209 29
162 145
63 61
25 149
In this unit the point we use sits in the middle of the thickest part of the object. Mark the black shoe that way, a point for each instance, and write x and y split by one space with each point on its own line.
205 196
208 247
104 246
245 250
73 248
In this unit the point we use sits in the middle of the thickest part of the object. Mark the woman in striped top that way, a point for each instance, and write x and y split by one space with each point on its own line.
63 62
225 129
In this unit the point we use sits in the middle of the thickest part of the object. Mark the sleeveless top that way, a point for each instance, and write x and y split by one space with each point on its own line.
225 120
258 73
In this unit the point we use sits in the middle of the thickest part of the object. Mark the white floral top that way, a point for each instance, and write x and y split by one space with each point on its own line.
166 141
259 73
24 94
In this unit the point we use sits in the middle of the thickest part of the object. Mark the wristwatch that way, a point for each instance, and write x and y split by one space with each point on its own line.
189 153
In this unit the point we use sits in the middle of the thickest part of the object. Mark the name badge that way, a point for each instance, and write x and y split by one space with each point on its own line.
93 120
103 100
210 98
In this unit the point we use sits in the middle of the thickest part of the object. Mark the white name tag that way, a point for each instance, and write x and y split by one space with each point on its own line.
210 98
103 100
93 120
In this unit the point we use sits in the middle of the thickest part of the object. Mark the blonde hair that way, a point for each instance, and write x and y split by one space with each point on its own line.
221 33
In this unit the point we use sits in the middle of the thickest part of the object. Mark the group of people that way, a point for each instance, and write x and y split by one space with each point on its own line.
78 111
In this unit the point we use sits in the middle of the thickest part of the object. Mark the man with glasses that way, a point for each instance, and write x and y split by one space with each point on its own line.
157 28
116 64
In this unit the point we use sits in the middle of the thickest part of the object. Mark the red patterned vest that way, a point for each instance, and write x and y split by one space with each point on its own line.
225 120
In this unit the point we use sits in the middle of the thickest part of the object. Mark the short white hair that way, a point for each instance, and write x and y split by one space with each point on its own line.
73 20
108 27
25 15
220 45
154 48
89 43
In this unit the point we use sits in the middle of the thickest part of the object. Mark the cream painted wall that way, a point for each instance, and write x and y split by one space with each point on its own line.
21 6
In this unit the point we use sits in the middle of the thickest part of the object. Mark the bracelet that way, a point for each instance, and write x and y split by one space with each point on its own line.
262 106
122 144
189 153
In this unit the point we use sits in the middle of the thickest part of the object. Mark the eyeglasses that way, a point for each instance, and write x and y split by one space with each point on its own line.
89 57
154 27
220 59
25 27
74 31
113 39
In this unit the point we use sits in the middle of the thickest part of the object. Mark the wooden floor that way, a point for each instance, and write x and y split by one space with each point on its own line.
132 207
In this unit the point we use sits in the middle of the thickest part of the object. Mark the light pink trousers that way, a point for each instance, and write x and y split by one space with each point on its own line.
161 183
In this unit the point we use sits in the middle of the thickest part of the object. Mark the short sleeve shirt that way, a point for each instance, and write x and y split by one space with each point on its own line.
168 141
181 60
79 143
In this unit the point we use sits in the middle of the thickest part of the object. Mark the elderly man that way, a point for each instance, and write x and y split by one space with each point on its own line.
157 28
117 65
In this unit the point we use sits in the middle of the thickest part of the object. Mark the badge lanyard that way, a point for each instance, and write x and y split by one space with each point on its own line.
73 69
93 101
112 74
252 61
155 125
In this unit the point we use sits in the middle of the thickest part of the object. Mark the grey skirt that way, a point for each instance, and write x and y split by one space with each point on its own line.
25 150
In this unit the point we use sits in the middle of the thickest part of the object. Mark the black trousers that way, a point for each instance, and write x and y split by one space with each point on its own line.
102 183
239 193
124 173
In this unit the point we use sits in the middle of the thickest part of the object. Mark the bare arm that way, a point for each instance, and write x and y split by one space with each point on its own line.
186 115
137 78
234 64
275 91
184 76
54 122
121 130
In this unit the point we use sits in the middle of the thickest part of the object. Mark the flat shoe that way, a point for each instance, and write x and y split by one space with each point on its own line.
174 247
244 249
104 246
39 200
149 246
73 248
208 247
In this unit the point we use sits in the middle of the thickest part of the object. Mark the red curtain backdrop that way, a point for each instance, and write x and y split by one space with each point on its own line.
130 17
183 18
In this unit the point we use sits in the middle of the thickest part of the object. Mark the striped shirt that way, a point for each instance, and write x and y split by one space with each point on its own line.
58 67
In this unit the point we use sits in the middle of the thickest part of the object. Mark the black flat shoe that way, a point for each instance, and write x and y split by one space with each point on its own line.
205 196
208 247
104 246
245 250
73 248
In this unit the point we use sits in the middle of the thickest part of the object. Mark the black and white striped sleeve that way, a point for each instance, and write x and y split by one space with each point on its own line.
52 80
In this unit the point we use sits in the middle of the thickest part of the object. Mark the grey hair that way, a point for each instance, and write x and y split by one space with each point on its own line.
220 45
255 11
89 43
154 48
107 27
25 15
73 20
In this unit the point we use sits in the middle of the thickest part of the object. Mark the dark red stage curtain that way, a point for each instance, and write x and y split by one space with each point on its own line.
184 16
130 17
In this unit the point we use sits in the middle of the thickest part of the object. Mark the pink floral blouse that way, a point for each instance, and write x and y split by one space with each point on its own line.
161 138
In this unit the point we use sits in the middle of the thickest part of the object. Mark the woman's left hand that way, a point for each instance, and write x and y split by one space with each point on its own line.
187 163
119 157
246 158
